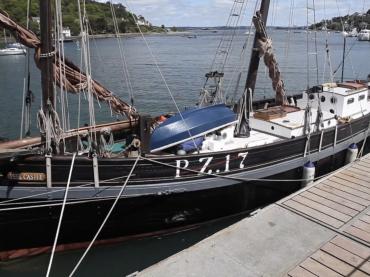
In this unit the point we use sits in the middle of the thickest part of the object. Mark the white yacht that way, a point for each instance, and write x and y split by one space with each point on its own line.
364 35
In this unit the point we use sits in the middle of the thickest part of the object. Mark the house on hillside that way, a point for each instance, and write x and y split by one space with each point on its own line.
66 32
141 21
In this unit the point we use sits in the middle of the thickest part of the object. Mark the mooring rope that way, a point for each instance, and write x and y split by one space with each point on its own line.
106 218
86 200
61 216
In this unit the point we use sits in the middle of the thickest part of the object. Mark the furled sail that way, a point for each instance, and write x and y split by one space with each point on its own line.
264 46
74 80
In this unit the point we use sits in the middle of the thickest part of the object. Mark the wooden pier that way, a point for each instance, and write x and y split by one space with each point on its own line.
322 230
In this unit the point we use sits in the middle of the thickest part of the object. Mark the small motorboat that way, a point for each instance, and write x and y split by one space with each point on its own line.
12 51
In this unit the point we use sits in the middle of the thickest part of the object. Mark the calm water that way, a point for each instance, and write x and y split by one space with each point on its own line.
184 62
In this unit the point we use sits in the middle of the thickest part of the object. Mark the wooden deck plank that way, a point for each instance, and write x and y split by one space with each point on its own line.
362 225
347 189
347 257
300 272
360 167
358 170
313 213
331 204
358 233
365 218
337 199
321 208
352 172
332 262
318 269
353 182
365 162
351 246
343 194
336 190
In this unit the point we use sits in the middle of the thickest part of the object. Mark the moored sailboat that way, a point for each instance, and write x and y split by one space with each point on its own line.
165 183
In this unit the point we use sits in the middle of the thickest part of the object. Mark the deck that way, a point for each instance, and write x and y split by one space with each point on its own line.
322 230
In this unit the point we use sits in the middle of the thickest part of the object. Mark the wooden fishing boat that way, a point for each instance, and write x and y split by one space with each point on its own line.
160 182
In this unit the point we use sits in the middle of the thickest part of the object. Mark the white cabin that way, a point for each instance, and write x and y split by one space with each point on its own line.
338 102
349 99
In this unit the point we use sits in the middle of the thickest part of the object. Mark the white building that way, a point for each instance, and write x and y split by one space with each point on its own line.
142 22
66 32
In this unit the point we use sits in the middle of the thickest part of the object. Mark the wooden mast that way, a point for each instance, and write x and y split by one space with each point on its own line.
46 60
255 58
242 129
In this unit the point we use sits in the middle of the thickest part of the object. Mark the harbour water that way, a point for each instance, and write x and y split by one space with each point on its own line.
183 61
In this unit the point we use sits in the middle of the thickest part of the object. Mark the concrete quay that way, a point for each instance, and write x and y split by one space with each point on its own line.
322 230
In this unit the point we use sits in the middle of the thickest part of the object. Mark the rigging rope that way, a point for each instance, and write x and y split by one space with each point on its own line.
238 68
163 78
76 80
27 94
125 70
94 199
85 50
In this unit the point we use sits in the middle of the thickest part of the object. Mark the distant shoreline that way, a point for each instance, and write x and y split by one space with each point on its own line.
99 36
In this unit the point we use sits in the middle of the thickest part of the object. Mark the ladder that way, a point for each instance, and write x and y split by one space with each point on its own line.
212 91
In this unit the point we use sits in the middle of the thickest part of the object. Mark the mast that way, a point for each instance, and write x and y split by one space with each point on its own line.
242 128
255 58
46 57
343 58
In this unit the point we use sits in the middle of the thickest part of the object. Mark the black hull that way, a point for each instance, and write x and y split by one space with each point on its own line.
133 216
153 201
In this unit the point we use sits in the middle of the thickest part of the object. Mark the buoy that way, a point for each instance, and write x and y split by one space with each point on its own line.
162 118
351 154
308 174
181 152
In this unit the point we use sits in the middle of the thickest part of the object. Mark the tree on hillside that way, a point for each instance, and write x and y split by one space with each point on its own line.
99 15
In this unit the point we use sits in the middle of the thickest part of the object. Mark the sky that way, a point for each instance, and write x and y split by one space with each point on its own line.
215 12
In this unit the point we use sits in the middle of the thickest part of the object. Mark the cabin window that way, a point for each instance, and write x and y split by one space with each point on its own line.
322 99
333 100
332 111
311 96
361 97
351 100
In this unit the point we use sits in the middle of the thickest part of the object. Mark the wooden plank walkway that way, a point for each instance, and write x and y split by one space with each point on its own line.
340 202
322 230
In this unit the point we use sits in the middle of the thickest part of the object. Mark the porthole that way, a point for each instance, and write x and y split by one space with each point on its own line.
311 96
322 98
332 111
329 122
361 97
272 128
351 100
333 100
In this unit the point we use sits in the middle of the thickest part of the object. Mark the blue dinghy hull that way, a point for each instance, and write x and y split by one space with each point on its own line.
191 124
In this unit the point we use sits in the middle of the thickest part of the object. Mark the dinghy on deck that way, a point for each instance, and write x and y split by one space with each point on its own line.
189 125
